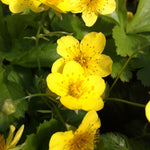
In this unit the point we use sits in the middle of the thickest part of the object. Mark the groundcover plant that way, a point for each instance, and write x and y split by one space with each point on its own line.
74 74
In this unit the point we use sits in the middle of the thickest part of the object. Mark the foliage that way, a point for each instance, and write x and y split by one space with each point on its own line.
28 49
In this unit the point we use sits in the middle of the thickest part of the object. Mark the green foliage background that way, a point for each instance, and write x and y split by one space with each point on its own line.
28 50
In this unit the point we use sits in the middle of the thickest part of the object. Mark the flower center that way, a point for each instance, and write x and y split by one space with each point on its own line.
83 60
82 141
75 89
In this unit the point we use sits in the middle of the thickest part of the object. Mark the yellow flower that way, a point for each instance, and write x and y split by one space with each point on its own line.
75 90
12 140
147 111
17 6
87 53
84 138
91 8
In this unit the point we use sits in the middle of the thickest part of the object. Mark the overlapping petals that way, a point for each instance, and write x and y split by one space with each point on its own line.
75 90
87 54
82 138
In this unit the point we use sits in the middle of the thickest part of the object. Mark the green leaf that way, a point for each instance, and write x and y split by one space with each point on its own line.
119 15
118 62
114 141
127 44
12 107
28 55
69 23
142 64
141 20
40 140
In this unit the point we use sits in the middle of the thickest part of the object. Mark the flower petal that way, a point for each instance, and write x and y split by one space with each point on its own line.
93 43
89 17
92 104
68 46
102 66
10 136
59 140
94 86
106 7
147 111
91 120
16 6
58 65
57 83
73 70
71 102
17 137
6 1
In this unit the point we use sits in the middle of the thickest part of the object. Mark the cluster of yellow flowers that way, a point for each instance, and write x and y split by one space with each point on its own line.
88 8
77 78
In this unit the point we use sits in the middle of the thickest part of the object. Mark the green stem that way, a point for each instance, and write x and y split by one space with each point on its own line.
37 95
124 101
124 66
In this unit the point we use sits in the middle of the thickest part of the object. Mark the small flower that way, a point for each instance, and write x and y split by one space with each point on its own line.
91 8
147 111
129 15
17 6
75 90
84 138
12 140
87 54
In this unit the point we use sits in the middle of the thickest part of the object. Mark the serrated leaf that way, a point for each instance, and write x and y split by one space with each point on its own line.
142 64
114 141
127 44
141 20
40 140
126 74
28 55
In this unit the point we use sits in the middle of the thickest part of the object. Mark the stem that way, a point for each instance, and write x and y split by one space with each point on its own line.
124 66
125 101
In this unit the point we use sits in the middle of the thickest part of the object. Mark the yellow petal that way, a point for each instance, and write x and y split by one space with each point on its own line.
147 111
71 102
17 136
16 6
94 86
6 1
92 104
58 65
93 43
57 83
106 6
59 140
91 120
10 136
68 46
102 66
89 17
73 70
